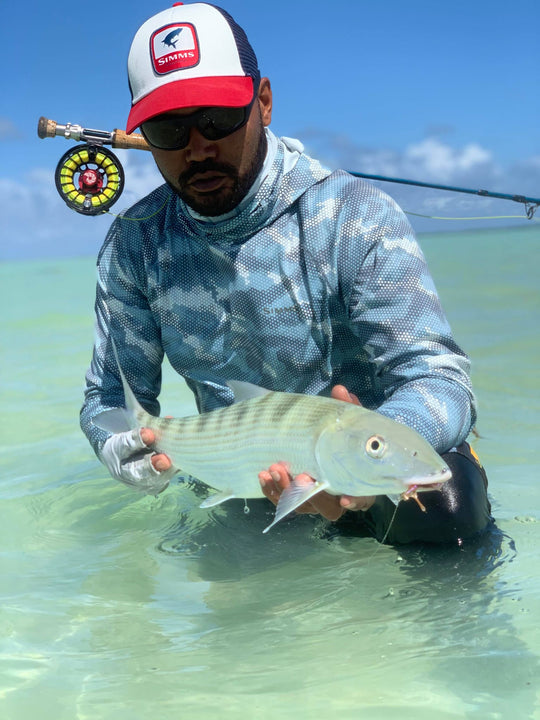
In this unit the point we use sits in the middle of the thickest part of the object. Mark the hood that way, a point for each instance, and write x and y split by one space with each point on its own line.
286 175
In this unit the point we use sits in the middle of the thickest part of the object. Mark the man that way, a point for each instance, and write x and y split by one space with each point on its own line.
253 262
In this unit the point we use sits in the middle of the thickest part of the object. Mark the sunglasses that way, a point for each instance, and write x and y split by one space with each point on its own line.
172 132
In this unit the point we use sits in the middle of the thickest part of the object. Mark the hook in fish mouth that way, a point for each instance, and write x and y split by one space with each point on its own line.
412 492
413 488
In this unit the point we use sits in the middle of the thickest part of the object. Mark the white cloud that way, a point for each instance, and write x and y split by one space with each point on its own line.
142 175
37 223
442 162
8 130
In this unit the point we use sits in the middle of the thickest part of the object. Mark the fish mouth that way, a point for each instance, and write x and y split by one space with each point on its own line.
433 481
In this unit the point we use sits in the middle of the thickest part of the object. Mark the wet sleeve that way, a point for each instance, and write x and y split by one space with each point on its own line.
122 311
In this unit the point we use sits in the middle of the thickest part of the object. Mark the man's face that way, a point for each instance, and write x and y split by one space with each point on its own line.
213 176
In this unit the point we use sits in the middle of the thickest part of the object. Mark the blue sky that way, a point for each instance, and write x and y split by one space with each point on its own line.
439 92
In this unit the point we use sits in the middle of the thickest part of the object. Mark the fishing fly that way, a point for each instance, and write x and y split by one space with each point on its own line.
90 179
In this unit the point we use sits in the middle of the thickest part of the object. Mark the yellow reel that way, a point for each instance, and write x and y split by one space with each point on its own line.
89 179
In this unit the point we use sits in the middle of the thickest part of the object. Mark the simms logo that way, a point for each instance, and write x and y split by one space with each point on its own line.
174 47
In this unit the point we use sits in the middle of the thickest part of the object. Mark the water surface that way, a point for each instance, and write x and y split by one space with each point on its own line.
116 607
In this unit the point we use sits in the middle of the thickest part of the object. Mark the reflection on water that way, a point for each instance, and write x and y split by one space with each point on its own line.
423 617
227 542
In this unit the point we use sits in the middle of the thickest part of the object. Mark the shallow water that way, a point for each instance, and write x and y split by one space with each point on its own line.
127 608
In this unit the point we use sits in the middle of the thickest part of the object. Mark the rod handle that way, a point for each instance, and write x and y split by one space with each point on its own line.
116 138
129 142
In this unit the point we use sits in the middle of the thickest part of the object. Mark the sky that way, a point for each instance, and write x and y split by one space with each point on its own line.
437 92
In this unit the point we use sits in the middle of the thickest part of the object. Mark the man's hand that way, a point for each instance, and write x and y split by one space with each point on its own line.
277 478
130 459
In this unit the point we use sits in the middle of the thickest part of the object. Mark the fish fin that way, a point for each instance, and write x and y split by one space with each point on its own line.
246 391
115 420
217 498
294 496
118 420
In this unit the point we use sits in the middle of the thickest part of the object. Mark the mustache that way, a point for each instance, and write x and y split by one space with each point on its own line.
206 166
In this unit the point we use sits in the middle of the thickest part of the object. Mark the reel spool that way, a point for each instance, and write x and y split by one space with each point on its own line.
89 179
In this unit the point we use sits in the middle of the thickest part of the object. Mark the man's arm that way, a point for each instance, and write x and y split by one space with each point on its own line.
394 310
395 313
122 311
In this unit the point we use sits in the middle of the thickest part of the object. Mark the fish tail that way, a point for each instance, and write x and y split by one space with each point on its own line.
121 419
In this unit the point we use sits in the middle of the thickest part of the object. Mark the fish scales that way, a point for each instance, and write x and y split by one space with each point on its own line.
248 437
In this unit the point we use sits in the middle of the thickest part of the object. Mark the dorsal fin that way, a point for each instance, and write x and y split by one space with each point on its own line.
246 391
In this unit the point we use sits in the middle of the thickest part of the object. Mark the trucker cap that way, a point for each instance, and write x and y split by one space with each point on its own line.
192 55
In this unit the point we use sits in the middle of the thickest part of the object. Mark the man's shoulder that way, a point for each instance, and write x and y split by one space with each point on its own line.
344 183
346 193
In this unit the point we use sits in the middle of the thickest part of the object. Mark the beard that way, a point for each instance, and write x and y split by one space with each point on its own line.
225 199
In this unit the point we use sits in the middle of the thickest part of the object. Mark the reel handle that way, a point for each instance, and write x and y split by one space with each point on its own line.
117 138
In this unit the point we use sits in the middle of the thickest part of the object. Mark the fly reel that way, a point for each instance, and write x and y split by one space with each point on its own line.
89 179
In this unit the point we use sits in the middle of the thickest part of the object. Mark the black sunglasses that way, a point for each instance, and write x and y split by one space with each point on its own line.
171 132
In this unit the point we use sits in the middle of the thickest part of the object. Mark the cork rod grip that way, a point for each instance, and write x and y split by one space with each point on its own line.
129 142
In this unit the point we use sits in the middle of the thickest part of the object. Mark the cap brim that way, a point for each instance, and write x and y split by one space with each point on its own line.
196 92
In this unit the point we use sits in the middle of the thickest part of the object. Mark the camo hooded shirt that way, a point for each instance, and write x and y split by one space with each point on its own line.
314 279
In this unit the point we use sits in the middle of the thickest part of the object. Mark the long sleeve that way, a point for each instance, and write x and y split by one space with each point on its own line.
395 311
122 311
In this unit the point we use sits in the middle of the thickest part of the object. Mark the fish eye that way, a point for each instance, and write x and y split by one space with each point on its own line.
375 446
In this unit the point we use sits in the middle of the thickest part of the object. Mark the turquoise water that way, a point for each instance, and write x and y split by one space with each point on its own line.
115 607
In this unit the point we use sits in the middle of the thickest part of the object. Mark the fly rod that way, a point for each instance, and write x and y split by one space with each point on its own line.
90 178
530 203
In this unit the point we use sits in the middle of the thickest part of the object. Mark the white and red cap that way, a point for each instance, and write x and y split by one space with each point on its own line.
191 55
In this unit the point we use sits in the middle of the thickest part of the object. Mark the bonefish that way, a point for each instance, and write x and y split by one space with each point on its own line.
345 448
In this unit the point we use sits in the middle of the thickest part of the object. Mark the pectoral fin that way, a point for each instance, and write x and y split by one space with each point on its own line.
217 498
294 496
